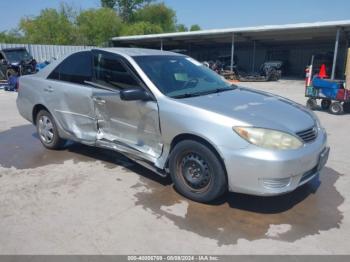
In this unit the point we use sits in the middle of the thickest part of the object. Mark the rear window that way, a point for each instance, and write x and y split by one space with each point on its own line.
76 68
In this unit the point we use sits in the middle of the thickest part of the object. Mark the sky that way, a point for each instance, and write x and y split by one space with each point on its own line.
209 14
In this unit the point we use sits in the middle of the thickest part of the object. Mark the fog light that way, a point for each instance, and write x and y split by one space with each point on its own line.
276 183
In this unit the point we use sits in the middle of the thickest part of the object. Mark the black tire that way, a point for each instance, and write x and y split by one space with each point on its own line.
325 104
311 104
197 172
46 127
9 73
336 108
346 107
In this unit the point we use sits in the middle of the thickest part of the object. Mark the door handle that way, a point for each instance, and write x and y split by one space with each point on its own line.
48 89
99 100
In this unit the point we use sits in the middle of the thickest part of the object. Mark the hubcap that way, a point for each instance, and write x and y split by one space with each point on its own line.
45 129
195 172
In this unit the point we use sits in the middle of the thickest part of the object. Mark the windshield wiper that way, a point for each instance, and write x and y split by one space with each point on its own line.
213 91
187 95
219 90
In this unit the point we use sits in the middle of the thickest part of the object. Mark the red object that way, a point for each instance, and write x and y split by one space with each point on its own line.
323 73
341 95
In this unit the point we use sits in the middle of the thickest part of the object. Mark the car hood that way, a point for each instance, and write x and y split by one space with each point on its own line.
256 108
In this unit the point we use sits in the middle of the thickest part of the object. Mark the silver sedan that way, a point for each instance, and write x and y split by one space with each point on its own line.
173 115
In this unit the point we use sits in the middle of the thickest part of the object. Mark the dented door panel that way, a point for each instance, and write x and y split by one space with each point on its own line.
133 125
73 108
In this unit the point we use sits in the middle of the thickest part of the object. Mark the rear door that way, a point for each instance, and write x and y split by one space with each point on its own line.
131 126
69 98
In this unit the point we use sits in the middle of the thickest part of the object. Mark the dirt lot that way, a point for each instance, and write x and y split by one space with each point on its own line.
90 201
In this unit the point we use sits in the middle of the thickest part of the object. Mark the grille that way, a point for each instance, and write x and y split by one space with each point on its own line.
308 135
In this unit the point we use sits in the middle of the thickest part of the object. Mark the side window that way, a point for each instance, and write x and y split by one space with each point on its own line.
76 68
111 72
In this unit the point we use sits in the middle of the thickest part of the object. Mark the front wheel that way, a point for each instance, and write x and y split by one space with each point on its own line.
47 131
197 172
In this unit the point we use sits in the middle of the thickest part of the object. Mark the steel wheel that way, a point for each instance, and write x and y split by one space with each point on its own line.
195 172
46 129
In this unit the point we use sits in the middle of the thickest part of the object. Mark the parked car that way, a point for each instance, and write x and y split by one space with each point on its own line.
16 61
175 116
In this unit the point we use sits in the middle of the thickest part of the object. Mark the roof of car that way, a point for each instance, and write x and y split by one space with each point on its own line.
137 51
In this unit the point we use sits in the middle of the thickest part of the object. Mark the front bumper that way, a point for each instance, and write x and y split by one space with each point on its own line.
262 172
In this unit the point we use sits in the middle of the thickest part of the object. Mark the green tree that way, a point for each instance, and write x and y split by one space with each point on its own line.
126 8
108 3
141 28
50 27
195 27
157 14
181 28
12 36
67 26
98 26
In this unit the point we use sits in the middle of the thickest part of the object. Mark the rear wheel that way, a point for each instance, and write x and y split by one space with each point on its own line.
197 172
336 108
311 104
325 104
47 131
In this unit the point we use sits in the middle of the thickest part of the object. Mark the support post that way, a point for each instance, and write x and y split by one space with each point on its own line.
336 47
232 52
347 70
254 51
161 44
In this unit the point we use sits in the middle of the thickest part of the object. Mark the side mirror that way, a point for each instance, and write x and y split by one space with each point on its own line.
3 62
134 94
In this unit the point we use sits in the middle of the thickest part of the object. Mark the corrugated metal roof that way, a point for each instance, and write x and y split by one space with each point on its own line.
265 28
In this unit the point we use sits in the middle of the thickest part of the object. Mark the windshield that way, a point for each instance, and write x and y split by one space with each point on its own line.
181 76
17 55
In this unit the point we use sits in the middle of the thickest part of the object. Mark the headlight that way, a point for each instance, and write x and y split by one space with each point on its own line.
268 138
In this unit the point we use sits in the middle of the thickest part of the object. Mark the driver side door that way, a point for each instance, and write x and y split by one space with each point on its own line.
128 126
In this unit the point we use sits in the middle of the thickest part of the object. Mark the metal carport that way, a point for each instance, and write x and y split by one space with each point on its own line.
254 44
